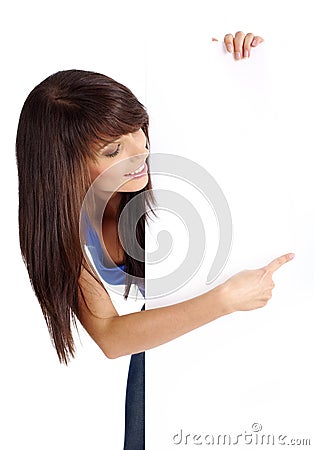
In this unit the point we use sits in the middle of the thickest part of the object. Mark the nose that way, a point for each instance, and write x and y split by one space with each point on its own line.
137 155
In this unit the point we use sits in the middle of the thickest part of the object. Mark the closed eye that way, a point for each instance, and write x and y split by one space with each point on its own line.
111 155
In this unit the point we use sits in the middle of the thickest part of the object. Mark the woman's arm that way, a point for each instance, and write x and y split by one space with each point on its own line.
136 332
133 333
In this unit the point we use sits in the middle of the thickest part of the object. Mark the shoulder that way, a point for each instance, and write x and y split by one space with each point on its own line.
95 309
93 299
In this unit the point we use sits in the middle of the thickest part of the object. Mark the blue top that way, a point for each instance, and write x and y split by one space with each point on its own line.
113 275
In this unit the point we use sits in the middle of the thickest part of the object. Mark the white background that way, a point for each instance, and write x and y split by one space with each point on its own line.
249 123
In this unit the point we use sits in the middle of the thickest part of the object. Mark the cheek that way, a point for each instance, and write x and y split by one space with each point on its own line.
94 171
112 175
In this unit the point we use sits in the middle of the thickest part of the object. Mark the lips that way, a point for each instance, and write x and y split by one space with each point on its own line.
139 170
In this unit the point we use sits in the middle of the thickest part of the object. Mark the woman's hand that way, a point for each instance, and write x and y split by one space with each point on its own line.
240 45
251 289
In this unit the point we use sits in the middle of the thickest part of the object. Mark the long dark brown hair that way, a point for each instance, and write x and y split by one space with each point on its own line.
61 121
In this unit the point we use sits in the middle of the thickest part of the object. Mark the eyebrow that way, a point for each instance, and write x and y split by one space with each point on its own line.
111 142
101 149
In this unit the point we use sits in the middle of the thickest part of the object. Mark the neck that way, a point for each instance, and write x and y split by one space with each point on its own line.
111 210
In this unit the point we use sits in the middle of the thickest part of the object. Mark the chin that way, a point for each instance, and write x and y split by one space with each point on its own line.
134 185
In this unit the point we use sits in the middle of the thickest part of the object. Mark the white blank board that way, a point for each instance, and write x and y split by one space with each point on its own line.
243 121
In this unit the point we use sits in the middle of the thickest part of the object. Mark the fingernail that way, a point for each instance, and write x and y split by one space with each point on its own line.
230 48
246 54
237 55
254 42
292 255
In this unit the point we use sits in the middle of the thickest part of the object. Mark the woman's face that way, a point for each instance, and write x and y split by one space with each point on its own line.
117 160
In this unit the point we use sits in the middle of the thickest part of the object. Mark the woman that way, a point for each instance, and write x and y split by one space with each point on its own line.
76 128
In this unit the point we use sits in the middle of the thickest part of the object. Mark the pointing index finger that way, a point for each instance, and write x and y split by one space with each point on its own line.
278 262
